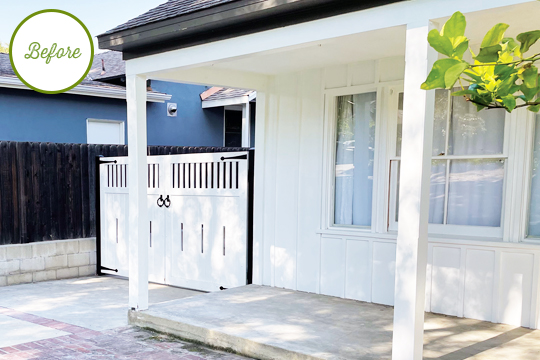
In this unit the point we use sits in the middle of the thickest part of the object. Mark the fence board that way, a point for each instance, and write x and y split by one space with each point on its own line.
48 191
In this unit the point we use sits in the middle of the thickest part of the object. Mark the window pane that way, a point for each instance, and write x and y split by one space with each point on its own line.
439 126
473 132
439 122
475 192
437 191
356 116
399 125
534 217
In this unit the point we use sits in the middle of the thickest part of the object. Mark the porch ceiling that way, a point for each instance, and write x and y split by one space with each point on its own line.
369 45
251 70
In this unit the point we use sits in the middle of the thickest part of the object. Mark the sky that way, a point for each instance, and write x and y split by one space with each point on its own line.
98 15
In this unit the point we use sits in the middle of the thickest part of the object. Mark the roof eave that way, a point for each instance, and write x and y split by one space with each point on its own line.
87 90
238 100
225 21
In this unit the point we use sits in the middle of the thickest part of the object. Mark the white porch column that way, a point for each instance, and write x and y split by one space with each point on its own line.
246 125
138 203
412 242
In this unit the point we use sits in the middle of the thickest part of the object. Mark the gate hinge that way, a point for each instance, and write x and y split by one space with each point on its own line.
106 268
239 157
107 161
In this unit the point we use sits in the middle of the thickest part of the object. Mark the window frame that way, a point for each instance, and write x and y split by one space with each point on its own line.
532 121
446 229
118 122
329 159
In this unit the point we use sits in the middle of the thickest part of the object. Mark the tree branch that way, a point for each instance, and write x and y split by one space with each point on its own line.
489 106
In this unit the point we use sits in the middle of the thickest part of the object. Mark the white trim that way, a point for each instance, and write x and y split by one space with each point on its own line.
330 154
239 100
459 230
225 102
311 32
86 90
246 125
122 128
527 181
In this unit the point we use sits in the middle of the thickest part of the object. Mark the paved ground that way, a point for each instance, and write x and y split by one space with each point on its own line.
279 323
77 342
97 303
86 318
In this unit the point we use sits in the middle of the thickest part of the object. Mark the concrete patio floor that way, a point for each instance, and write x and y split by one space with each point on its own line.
97 303
271 323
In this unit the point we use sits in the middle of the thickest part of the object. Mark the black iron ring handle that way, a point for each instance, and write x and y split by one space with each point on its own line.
167 201
162 201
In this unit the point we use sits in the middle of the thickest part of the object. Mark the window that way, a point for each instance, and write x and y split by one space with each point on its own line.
233 128
468 164
354 161
104 132
534 213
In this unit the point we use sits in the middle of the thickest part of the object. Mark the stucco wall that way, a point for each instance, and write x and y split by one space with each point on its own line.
193 126
30 116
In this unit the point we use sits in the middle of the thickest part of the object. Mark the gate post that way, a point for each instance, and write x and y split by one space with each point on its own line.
138 198
251 188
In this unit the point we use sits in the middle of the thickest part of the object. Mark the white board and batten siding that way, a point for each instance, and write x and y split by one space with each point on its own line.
296 249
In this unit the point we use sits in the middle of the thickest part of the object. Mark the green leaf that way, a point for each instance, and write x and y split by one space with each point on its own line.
512 45
504 87
503 71
527 39
530 77
460 49
495 35
489 54
473 75
453 73
464 92
484 100
440 43
528 93
436 77
509 102
534 108
455 26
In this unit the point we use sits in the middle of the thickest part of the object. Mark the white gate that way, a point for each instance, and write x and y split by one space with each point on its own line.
198 219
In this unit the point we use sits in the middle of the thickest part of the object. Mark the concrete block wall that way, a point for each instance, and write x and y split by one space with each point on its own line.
48 260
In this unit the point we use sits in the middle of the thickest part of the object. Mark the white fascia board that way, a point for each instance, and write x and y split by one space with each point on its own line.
225 102
296 36
112 93
252 96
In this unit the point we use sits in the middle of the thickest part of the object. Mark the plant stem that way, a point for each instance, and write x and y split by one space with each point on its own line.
532 59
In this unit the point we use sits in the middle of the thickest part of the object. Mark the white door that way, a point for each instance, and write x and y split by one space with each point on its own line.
207 221
114 216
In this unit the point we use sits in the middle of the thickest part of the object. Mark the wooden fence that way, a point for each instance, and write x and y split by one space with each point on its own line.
47 190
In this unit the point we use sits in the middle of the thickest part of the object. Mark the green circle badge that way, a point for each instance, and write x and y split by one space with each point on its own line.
51 51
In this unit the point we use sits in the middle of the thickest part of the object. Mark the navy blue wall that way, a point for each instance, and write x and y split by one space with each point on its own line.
26 115
30 116
193 126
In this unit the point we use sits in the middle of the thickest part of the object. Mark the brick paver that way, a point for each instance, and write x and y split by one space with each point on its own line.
121 343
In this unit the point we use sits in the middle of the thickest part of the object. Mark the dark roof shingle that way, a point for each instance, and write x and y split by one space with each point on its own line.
6 70
170 9
112 62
